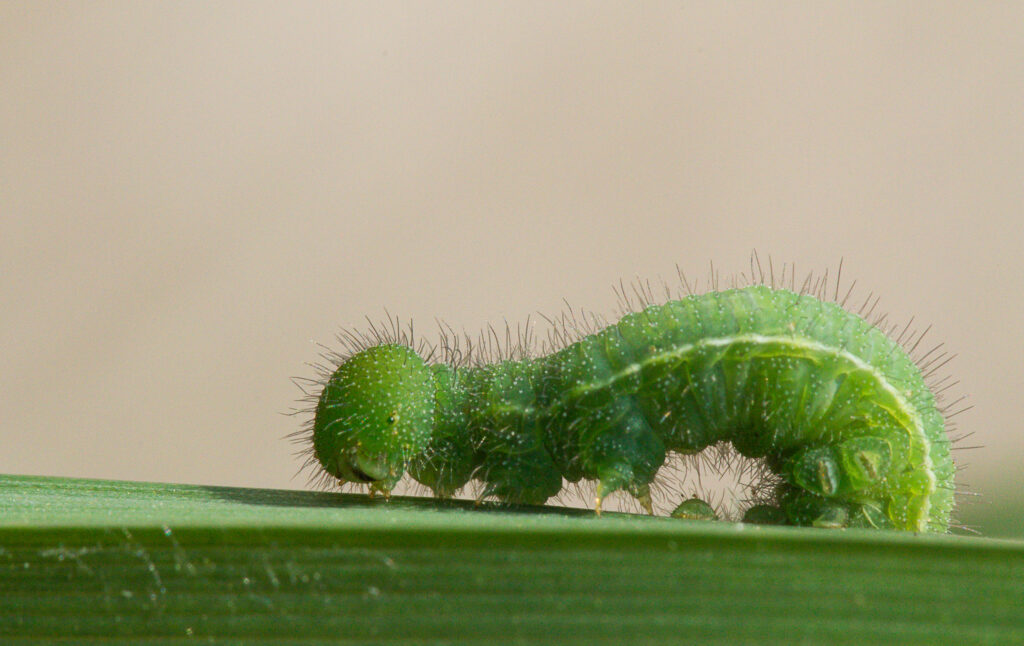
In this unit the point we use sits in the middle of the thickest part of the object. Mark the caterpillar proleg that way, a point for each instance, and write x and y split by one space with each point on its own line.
836 408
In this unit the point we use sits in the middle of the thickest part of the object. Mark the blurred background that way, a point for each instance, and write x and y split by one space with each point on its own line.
193 194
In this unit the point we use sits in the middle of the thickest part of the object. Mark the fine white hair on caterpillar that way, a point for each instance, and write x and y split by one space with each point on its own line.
829 414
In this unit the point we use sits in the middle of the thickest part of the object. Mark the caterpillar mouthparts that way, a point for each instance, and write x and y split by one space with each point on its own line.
837 410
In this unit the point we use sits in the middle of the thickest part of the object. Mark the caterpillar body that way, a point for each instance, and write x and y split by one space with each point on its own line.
835 408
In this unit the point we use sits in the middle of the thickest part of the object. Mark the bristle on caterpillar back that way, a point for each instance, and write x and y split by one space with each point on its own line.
835 415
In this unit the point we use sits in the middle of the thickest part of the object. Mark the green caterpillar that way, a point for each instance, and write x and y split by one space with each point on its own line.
834 407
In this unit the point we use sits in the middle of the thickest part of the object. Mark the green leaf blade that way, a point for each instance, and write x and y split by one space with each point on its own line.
114 562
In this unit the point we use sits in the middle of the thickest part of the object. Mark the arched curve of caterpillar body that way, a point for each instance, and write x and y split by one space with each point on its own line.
836 409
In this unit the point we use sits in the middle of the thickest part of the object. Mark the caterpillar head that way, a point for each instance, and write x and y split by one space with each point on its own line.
375 413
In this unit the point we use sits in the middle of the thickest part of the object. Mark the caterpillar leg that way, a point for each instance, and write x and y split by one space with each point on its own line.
623 452
765 515
381 487
642 493
694 509
612 480
522 474
835 486
620 478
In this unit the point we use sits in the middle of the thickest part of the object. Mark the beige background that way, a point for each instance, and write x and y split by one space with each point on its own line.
190 194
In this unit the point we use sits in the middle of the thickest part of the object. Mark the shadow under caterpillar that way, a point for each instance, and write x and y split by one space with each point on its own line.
835 408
